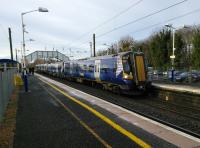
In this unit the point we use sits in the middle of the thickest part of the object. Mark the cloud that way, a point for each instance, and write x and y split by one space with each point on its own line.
67 20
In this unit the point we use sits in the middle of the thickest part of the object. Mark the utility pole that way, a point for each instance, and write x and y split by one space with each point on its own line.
91 48
94 45
10 40
23 44
70 52
16 54
57 55
190 67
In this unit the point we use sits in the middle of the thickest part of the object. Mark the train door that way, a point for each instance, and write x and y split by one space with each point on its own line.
97 69
140 67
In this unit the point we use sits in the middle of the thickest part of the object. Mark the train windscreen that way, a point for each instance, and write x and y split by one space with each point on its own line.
126 61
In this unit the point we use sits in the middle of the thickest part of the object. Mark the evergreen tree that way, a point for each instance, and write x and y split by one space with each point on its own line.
196 49
159 47
180 52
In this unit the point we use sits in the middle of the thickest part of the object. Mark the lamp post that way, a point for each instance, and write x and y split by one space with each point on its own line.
16 50
40 9
173 43
21 43
172 57
190 68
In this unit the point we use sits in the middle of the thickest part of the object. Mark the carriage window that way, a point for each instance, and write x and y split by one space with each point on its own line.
104 68
91 68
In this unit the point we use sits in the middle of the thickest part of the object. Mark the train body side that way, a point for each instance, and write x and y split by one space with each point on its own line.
125 71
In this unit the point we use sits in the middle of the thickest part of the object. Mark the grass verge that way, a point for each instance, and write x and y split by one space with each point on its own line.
8 125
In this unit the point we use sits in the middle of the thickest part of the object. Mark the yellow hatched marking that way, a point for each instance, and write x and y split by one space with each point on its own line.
104 118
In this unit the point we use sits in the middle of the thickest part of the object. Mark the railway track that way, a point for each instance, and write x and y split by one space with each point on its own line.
182 110
191 100
180 117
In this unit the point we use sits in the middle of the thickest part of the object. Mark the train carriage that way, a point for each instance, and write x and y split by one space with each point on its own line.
125 72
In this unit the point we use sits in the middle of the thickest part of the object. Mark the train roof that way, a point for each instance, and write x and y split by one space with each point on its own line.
112 55
104 56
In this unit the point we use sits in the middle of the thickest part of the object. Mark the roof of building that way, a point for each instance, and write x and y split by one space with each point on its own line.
7 61
46 55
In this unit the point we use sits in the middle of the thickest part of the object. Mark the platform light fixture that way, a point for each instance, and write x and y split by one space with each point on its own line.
172 57
40 9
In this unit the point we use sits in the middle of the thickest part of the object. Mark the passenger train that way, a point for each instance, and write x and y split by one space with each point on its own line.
125 72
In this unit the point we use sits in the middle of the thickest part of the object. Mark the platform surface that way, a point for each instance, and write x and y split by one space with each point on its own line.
181 88
55 115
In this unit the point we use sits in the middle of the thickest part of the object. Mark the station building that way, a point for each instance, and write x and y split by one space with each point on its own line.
46 55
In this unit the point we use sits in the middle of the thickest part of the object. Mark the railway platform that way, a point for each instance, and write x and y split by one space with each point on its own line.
181 88
53 114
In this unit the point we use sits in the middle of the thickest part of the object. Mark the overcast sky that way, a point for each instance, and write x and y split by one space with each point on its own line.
68 22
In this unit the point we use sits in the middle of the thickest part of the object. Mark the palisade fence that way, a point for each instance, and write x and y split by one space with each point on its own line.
6 88
181 76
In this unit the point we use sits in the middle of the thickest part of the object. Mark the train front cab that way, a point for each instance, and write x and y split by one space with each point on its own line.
134 70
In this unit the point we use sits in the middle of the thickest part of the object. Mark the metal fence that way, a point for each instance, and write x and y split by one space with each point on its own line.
6 88
180 77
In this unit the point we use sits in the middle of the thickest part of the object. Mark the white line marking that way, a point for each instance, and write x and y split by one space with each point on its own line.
52 101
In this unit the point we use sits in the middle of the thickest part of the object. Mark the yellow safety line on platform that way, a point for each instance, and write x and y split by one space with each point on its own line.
79 120
104 118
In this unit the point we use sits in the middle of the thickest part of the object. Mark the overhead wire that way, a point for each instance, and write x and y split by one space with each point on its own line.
129 23
141 18
171 19
168 20
137 20
107 21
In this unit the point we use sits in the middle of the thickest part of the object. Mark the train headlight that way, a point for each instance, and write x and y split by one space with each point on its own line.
127 76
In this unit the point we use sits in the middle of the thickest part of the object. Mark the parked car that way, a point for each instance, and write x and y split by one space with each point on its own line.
198 74
184 76
181 76
195 76
176 73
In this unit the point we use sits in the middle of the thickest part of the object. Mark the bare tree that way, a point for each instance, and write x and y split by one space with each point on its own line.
126 43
